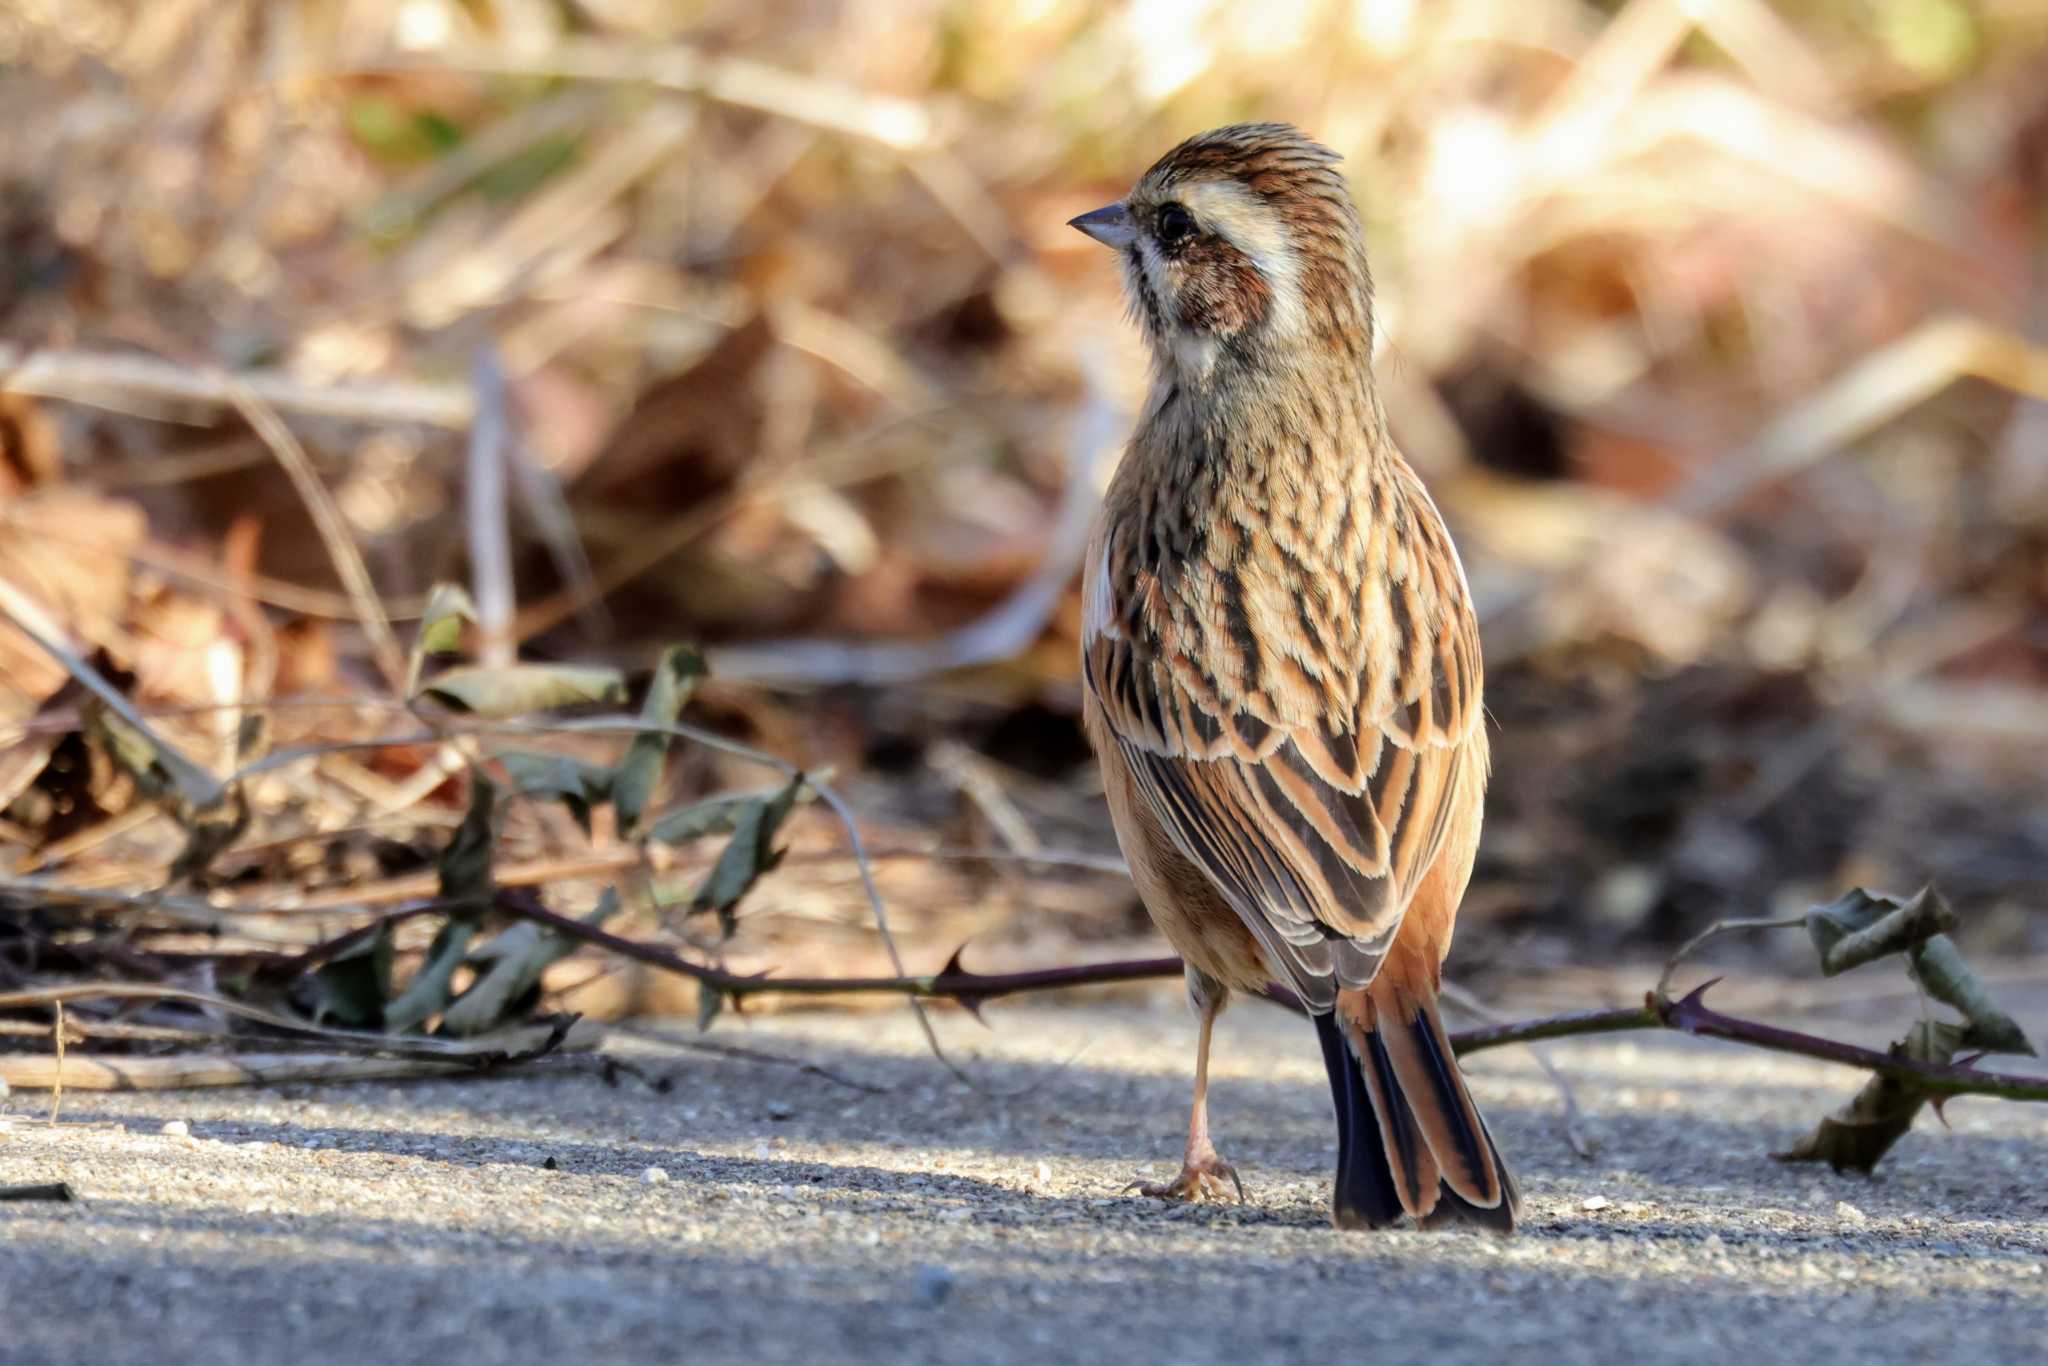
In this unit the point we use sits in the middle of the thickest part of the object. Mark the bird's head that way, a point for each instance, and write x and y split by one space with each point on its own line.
1241 247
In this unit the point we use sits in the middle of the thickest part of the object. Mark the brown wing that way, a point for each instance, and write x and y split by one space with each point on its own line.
1313 785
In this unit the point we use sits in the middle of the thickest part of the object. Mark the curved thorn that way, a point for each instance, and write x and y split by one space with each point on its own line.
1698 994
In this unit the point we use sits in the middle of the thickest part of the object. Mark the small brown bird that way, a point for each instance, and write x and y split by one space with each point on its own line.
1282 666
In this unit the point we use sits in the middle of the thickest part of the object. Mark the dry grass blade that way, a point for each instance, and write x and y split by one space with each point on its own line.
342 550
1885 384
560 226
192 912
523 1039
896 123
487 511
182 779
84 376
95 1073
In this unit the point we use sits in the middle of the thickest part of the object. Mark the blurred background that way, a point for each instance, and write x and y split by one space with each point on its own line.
1716 327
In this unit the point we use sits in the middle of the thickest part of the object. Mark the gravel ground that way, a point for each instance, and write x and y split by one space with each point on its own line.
753 1211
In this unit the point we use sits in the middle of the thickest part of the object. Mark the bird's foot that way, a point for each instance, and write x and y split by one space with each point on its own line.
1201 1178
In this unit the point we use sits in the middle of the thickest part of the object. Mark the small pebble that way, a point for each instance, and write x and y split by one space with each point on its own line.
1595 1203
1849 1214
654 1176
934 1283
779 1110
550 1165
177 1128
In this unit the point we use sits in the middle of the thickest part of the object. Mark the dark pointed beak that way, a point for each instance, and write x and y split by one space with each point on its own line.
1110 225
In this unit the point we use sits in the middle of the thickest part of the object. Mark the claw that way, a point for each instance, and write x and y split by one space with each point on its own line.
1197 1181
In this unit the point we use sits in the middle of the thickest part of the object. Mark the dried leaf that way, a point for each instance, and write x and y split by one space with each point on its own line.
640 771
158 767
209 833
1860 926
448 608
517 689
557 777
214 814
252 736
1857 1136
160 770
1940 967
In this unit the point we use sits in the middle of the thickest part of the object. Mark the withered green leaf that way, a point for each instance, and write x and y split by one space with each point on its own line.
577 785
351 987
1940 967
675 678
440 633
1860 926
710 1004
750 853
1857 1136
429 990
715 815
518 689
514 962
465 865
516 959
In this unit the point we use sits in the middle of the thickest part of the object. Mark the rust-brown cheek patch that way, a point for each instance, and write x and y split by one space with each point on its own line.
1218 290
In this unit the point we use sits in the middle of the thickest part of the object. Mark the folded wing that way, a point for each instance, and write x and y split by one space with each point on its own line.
1312 785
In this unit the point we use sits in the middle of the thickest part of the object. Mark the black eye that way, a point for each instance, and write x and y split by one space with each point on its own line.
1176 225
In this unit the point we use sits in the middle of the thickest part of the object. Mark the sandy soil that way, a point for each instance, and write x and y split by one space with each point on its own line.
757 1212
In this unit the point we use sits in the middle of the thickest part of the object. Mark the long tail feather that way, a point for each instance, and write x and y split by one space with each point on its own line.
1365 1196
1410 1140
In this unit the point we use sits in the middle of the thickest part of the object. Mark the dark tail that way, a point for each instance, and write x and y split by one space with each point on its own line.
1409 1139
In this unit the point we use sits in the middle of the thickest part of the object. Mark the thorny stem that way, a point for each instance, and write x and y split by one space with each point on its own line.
1572 1024
1687 1016
607 725
969 989
1691 1016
